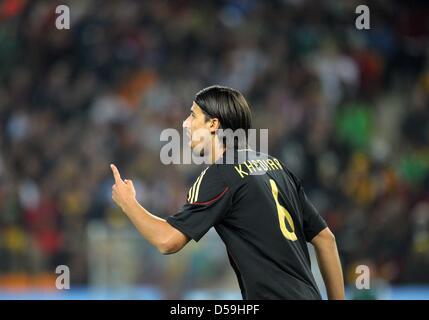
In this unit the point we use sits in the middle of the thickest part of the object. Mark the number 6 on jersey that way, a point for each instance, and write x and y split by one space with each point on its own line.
283 213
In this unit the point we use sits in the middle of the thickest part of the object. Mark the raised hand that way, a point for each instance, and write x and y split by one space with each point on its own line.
123 192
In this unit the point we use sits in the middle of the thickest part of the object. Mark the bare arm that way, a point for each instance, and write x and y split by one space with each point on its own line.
329 264
157 231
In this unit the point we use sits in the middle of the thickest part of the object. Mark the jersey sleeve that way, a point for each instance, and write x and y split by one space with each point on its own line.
313 221
208 200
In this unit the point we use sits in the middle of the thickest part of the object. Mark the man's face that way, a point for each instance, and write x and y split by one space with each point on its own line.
198 130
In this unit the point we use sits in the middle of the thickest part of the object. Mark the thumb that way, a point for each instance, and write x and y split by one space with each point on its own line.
129 182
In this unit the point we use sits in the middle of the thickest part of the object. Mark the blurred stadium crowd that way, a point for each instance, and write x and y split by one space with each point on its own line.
347 111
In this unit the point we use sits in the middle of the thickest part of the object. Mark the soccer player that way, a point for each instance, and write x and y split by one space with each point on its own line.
257 206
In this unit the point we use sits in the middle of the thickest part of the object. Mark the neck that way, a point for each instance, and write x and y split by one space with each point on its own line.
217 150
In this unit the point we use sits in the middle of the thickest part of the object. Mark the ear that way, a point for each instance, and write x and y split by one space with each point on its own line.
214 125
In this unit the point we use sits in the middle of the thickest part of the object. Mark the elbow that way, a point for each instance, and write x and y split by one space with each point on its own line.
165 248
168 247
171 241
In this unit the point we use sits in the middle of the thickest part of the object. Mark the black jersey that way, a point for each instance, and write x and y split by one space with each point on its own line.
262 214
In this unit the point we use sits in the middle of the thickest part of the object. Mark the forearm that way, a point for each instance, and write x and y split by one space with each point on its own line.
154 229
330 267
157 231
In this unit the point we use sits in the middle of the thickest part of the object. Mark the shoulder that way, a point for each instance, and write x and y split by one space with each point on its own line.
207 186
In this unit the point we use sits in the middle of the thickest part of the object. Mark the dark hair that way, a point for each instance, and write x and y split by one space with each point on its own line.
231 108
226 104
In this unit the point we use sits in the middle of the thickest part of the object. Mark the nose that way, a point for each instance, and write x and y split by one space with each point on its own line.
186 123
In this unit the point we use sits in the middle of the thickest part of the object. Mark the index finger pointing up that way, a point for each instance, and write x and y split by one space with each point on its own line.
116 174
